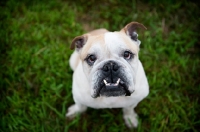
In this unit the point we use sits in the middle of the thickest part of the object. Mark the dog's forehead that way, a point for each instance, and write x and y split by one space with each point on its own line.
116 41
109 42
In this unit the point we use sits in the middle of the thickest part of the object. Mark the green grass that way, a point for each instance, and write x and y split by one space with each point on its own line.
36 78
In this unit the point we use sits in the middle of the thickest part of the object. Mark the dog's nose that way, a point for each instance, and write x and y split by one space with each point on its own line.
110 66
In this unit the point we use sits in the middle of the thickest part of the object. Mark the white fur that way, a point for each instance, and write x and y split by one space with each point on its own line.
84 78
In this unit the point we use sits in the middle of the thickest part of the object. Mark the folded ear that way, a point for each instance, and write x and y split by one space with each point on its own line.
79 42
130 30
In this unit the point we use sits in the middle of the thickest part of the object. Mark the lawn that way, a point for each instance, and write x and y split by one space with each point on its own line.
36 79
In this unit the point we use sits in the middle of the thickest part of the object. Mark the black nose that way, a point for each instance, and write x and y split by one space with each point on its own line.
110 66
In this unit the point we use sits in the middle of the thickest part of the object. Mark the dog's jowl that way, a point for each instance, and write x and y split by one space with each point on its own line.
108 72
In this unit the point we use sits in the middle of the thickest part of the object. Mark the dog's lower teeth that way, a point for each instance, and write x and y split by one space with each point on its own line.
105 82
113 84
117 83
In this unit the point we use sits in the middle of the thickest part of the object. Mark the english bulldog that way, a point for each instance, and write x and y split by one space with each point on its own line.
108 72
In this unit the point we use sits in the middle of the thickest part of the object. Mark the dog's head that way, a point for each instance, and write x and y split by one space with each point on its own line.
110 60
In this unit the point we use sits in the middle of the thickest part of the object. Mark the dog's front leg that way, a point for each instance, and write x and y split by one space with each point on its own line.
130 117
75 109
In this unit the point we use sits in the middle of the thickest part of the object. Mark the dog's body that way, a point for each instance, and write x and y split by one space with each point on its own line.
108 72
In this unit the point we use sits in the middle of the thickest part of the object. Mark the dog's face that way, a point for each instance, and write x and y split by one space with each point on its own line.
110 61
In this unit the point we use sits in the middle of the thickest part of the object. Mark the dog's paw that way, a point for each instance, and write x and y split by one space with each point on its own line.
71 113
131 120
74 110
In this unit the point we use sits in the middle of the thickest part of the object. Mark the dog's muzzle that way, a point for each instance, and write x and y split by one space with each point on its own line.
112 82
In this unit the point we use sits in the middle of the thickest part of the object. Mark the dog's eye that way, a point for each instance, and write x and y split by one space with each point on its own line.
128 55
91 59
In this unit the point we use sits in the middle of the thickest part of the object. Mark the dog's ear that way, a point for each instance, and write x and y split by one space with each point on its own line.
130 30
79 42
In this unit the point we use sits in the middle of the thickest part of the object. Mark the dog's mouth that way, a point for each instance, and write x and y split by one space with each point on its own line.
108 89
111 85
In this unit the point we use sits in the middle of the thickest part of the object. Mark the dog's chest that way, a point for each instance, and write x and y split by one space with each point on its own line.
107 102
